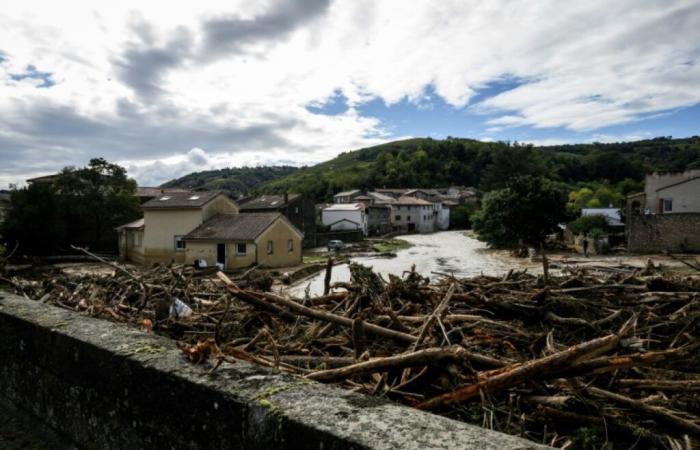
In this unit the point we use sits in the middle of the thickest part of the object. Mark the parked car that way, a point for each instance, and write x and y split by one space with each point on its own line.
335 245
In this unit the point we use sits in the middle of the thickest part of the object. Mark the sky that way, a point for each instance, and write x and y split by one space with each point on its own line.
165 89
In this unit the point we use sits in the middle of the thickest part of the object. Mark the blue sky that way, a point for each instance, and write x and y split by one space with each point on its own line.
206 85
432 116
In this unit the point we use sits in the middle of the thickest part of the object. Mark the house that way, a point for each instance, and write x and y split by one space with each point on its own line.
667 193
613 216
666 216
240 240
412 214
378 219
347 196
346 216
131 241
297 208
145 193
440 212
166 220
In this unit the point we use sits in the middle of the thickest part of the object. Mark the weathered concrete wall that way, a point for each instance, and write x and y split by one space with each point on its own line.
111 386
660 232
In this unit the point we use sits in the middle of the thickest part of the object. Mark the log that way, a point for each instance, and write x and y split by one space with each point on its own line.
657 412
413 359
524 372
314 313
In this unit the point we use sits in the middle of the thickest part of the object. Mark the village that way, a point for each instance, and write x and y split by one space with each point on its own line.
375 225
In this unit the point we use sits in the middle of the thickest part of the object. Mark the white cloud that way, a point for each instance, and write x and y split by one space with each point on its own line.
144 82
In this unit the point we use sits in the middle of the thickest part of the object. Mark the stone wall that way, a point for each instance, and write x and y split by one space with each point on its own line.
107 385
661 232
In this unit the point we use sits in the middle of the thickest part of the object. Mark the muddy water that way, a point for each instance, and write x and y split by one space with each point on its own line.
447 252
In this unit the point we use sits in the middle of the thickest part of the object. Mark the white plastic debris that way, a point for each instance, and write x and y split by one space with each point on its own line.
179 309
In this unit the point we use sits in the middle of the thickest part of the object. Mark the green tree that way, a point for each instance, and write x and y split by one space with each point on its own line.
82 207
525 211
585 224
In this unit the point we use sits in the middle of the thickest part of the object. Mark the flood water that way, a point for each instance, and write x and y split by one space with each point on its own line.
446 252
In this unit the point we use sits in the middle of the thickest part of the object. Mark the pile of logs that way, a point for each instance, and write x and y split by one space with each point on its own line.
589 358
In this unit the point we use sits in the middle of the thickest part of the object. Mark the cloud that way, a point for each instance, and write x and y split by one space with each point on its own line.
231 34
144 84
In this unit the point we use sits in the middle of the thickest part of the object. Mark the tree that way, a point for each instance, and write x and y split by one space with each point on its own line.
585 224
83 206
525 211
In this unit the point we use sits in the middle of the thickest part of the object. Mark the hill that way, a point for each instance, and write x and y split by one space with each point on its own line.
236 180
425 162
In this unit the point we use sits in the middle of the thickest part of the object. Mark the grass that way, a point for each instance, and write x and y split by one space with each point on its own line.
391 245
315 259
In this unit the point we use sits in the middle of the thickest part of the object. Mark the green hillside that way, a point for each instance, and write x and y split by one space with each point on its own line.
236 180
425 162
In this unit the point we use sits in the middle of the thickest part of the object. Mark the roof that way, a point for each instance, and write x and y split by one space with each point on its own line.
268 201
44 179
178 200
612 215
239 227
450 203
680 182
136 224
345 193
412 201
381 198
145 191
345 207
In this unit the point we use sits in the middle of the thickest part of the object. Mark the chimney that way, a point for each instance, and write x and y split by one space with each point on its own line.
286 197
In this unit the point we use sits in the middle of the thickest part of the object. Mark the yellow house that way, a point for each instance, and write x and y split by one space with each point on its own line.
240 240
167 218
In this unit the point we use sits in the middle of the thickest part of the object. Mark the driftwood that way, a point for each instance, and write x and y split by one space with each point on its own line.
500 350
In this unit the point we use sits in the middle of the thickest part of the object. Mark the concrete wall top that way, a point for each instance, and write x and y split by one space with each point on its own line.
114 386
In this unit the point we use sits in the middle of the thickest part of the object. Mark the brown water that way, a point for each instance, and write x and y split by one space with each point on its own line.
445 252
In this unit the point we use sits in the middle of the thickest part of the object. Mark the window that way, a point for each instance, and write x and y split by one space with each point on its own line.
179 244
139 238
296 210
290 245
270 249
408 218
240 249
397 218
668 205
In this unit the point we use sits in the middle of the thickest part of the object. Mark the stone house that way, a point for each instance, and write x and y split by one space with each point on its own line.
240 240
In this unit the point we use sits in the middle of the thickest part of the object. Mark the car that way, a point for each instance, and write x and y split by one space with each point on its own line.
335 245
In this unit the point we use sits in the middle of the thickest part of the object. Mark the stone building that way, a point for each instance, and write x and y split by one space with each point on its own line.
666 216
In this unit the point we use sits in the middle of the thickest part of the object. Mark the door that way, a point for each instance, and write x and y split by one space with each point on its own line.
221 254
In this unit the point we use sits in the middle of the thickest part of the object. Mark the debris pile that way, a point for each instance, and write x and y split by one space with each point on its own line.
590 358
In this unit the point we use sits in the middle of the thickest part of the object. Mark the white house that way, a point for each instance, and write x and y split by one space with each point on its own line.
346 216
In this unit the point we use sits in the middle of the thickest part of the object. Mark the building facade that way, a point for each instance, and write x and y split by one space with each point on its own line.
346 216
